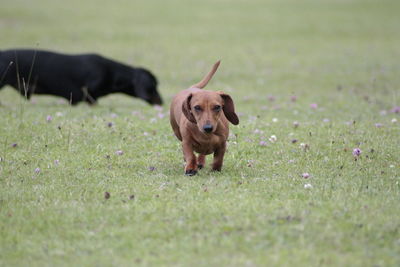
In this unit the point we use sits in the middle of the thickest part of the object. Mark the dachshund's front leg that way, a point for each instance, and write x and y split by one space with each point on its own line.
190 158
219 158
201 161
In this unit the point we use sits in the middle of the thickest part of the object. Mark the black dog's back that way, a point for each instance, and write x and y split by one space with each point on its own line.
84 77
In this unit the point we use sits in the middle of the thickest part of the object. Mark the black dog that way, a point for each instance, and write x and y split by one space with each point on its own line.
84 77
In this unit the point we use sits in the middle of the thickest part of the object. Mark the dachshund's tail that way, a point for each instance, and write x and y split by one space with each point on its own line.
208 77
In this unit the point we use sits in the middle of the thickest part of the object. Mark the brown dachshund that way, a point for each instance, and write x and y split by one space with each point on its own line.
199 119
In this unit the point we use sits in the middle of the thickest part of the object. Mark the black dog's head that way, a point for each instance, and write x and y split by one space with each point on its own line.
145 86
140 83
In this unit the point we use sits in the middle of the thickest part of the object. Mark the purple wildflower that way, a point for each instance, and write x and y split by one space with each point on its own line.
119 152
314 105
14 145
305 175
262 143
356 152
49 118
257 131
378 125
293 98
395 109
158 108
37 170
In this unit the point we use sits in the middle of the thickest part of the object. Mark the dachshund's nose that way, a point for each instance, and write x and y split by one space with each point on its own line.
208 128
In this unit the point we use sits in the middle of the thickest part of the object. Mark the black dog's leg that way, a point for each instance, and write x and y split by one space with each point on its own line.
90 99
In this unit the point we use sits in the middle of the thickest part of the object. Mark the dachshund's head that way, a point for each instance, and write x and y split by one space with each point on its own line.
206 107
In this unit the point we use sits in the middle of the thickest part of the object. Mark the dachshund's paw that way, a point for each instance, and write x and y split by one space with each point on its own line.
190 172
200 166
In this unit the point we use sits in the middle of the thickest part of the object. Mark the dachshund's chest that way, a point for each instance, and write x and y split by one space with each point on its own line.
208 145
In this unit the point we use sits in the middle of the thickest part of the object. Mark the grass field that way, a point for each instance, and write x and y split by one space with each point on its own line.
331 68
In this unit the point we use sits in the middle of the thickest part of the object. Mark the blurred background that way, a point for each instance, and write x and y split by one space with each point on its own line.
309 48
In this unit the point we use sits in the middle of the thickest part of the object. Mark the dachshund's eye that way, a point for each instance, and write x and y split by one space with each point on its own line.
217 108
197 108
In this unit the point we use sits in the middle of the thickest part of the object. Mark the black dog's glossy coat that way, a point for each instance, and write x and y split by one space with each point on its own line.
84 77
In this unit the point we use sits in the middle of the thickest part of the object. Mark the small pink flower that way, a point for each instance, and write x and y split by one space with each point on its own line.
257 131
37 170
262 143
271 98
314 105
378 125
49 118
395 109
158 108
119 152
293 98
305 175
356 152
326 120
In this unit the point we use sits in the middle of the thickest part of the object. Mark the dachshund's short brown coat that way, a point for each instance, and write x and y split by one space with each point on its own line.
200 119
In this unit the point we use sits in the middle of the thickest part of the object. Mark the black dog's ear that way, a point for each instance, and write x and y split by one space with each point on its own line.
186 109
229 108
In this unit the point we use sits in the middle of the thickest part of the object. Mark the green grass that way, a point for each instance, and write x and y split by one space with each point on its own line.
342 55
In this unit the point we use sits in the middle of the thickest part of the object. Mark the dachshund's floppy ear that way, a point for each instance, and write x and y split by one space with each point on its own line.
186 109
229 108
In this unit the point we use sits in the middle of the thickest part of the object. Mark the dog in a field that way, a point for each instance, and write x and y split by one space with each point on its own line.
83 77
200 119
